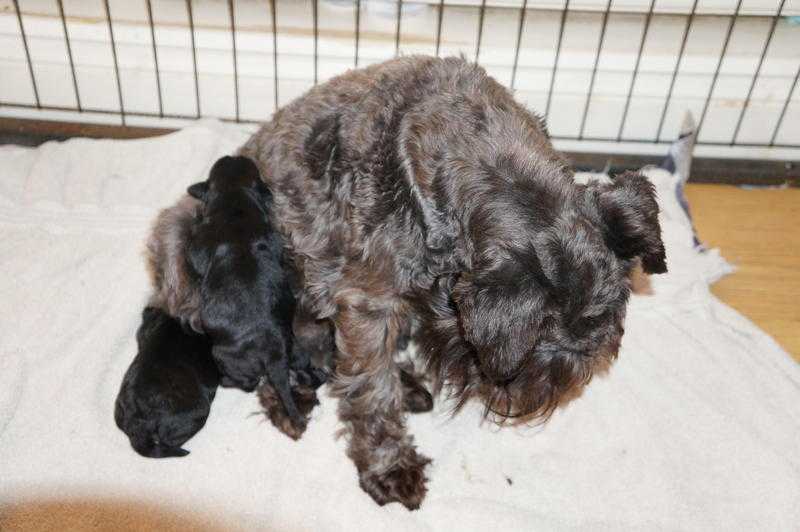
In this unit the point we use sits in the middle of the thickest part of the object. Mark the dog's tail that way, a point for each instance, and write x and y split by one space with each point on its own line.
150 447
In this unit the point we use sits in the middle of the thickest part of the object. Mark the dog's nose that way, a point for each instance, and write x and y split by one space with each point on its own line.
498 375
503 382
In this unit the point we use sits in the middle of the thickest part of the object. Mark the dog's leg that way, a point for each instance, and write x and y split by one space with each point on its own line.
312 357
416 398
369 386
276 412
276 398
313 341
281 385
275 393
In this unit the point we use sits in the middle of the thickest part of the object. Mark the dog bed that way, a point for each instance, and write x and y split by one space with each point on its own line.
696 427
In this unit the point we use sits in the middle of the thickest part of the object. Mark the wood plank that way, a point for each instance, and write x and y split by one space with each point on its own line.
757 231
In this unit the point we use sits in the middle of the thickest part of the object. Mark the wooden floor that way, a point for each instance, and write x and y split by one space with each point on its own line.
758 231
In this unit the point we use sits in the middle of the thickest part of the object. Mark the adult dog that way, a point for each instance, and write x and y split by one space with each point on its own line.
418 195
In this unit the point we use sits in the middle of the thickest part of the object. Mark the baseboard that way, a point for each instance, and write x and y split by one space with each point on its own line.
704 170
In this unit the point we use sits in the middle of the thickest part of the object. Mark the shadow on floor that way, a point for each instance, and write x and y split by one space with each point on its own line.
119 515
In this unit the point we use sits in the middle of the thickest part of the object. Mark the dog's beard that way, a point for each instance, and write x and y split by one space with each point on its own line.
546 379
531 396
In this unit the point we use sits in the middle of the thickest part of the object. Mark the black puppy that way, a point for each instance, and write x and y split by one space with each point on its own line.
247 303
167 391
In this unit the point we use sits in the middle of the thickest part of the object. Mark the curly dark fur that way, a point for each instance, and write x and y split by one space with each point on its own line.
419 190
166 394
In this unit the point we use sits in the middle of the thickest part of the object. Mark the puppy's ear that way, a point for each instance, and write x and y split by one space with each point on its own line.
199 190
629 212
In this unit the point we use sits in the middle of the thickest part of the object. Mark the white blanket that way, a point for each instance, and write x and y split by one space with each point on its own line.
696 427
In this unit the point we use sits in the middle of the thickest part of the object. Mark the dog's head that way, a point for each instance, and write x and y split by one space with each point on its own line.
542 308
231 174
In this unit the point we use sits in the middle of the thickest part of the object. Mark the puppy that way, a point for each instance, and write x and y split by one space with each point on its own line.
167 391
246 298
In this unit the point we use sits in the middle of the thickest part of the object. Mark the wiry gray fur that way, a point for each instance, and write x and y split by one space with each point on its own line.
418 189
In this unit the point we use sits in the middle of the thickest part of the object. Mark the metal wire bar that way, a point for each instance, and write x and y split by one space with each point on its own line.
555 62
757 73
481 15
274 14
397 29
600 40
235 62
145 114
439 19
650 24
519 42
155 56
785 107
717 69
116 63
89 110
647 20
27 54
675 71
194 58
69 54
315 17
613 140
358 31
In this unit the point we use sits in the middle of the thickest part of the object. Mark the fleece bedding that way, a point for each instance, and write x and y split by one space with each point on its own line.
696 426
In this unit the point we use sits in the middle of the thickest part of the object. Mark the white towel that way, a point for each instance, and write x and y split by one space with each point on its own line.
696 427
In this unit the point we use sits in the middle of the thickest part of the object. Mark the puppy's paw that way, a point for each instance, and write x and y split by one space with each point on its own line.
276 412
404 482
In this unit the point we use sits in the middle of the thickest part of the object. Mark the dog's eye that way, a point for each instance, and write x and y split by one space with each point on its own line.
586 323
591 321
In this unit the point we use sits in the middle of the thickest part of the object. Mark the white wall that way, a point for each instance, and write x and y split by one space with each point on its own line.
91 50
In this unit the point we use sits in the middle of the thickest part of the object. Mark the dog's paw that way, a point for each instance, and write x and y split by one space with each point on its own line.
305 398
294 428
276 412
403 483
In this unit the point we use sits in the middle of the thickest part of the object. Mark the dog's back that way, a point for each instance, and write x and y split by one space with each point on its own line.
167 391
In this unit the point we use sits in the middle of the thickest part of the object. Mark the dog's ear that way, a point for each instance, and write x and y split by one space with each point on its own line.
629 212
199 190
320 147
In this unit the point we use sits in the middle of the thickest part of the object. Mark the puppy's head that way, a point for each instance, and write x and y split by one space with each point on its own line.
230 174
543 307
